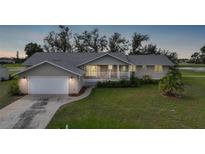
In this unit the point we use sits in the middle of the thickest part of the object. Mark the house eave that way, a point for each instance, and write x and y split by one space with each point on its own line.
50 64
103 56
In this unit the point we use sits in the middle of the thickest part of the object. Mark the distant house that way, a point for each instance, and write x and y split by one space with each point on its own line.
4 60
4 74
66 73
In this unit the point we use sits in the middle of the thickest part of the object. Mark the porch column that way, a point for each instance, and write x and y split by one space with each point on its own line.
128 74
109 72
118 72
98 71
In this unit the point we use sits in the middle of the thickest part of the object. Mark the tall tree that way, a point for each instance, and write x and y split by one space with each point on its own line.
79 44
59 41
198 57
203 54
171 55
195 58
17 54
137 40
90 41
202 50
32 48
150 49
50 42
117 43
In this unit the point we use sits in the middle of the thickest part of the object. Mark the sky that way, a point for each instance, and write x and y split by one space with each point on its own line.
181 39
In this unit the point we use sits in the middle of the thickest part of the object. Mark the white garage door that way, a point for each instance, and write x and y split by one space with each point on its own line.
47 85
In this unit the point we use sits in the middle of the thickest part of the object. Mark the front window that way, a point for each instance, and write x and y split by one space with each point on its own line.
158 68
123 69
91 70
132 68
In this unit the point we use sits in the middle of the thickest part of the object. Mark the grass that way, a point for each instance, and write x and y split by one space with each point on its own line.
187 73
5 98
191 65
13 65
14 68
141 107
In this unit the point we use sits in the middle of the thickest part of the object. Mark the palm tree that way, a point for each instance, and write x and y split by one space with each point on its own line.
172 85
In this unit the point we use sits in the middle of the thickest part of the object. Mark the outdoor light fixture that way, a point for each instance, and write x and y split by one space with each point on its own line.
71 77
24 77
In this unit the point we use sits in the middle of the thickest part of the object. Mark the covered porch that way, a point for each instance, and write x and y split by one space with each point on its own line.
107 72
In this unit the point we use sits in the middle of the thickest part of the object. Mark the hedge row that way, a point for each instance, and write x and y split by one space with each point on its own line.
133 82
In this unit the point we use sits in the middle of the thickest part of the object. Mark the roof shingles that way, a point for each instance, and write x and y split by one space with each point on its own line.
70 61
150 60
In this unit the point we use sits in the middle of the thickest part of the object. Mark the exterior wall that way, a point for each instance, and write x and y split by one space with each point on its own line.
80 83
107 60
75 82
23 85
150 71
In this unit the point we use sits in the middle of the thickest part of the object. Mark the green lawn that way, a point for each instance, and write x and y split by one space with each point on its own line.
187 73
5 98
14 68
191 65
13 65
141 107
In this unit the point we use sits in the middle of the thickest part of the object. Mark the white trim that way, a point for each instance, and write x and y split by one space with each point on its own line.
103 56
119 58
48 63
118 72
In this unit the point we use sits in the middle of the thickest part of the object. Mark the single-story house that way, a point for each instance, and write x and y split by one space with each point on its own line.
66 73
4 74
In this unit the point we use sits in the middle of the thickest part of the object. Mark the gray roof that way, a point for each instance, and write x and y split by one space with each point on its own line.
71 58
150 60
71 61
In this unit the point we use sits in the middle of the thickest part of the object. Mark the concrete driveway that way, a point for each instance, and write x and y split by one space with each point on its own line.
34 111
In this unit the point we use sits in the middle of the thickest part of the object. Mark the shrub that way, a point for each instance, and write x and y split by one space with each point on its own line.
14 87
2 79
146 79
134 82
171 84
10 77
